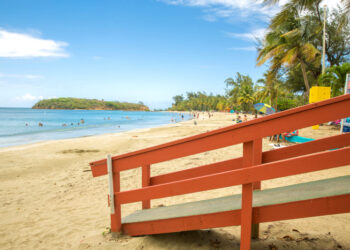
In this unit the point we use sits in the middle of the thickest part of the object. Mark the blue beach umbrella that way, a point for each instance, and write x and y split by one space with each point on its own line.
264 108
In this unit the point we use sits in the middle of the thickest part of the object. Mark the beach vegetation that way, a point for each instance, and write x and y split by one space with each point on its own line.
89 104
291 48
335 78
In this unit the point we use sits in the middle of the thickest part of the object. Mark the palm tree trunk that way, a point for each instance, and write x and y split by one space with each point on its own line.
276 101
306 81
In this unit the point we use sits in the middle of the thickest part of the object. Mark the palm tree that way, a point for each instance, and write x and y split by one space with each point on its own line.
246 98
287 43
272 87
347 6
307 4
335 77
235 86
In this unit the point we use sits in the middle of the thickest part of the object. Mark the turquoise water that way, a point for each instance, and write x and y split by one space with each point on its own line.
20 125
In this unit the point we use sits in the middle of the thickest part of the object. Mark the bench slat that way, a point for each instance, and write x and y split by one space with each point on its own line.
292 193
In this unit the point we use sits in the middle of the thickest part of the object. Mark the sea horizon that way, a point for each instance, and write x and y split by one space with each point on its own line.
19 126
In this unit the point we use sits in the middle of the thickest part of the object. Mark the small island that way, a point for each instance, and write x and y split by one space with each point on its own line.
88 104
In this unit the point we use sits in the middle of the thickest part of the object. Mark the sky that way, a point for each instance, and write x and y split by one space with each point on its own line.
126 50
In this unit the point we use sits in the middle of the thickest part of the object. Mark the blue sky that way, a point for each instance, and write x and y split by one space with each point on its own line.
125 50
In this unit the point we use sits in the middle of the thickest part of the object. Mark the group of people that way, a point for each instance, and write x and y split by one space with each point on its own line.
276 137
195 114
239 119
40 124
82 121
283 136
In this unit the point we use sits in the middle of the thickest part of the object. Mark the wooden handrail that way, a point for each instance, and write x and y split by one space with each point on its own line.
337 141
288 120
277 169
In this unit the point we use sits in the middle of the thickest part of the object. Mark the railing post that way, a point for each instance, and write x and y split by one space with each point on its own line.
247 198
257 159
114 187
146 180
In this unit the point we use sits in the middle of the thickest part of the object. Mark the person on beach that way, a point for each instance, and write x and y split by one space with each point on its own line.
289 134
275 137
40 124
245 119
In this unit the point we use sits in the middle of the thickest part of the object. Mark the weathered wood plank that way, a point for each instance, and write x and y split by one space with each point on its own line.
292 210
267 197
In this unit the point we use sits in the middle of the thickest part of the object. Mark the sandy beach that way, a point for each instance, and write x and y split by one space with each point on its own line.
49 199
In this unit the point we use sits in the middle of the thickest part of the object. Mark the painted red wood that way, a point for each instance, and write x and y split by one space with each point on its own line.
257 160
293 210
302 209
288 120
337 141
332 142
195 222
146 174
116 218
218 167
247 198
277 169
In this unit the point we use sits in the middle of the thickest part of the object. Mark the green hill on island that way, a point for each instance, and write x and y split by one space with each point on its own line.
90 104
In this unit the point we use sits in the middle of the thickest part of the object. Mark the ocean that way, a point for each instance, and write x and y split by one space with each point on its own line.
21 125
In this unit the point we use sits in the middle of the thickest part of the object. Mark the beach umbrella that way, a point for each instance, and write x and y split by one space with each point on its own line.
264 108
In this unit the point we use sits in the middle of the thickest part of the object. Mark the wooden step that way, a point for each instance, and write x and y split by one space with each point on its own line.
299 192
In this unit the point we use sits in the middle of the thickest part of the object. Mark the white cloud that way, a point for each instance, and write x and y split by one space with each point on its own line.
251 36
27 76
33 76
228 8
249 48
16 45
29 97
232 9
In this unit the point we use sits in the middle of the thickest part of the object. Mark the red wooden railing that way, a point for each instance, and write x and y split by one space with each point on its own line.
247 171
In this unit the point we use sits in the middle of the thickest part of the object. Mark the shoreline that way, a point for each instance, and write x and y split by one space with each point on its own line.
45 142
50 199
60 130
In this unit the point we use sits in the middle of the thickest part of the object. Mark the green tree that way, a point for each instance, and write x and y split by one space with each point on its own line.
235 86
287 43
335 78
270 87
246 98
177 99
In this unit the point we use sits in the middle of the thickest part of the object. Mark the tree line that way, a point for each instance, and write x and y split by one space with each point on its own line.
92 104
291 48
